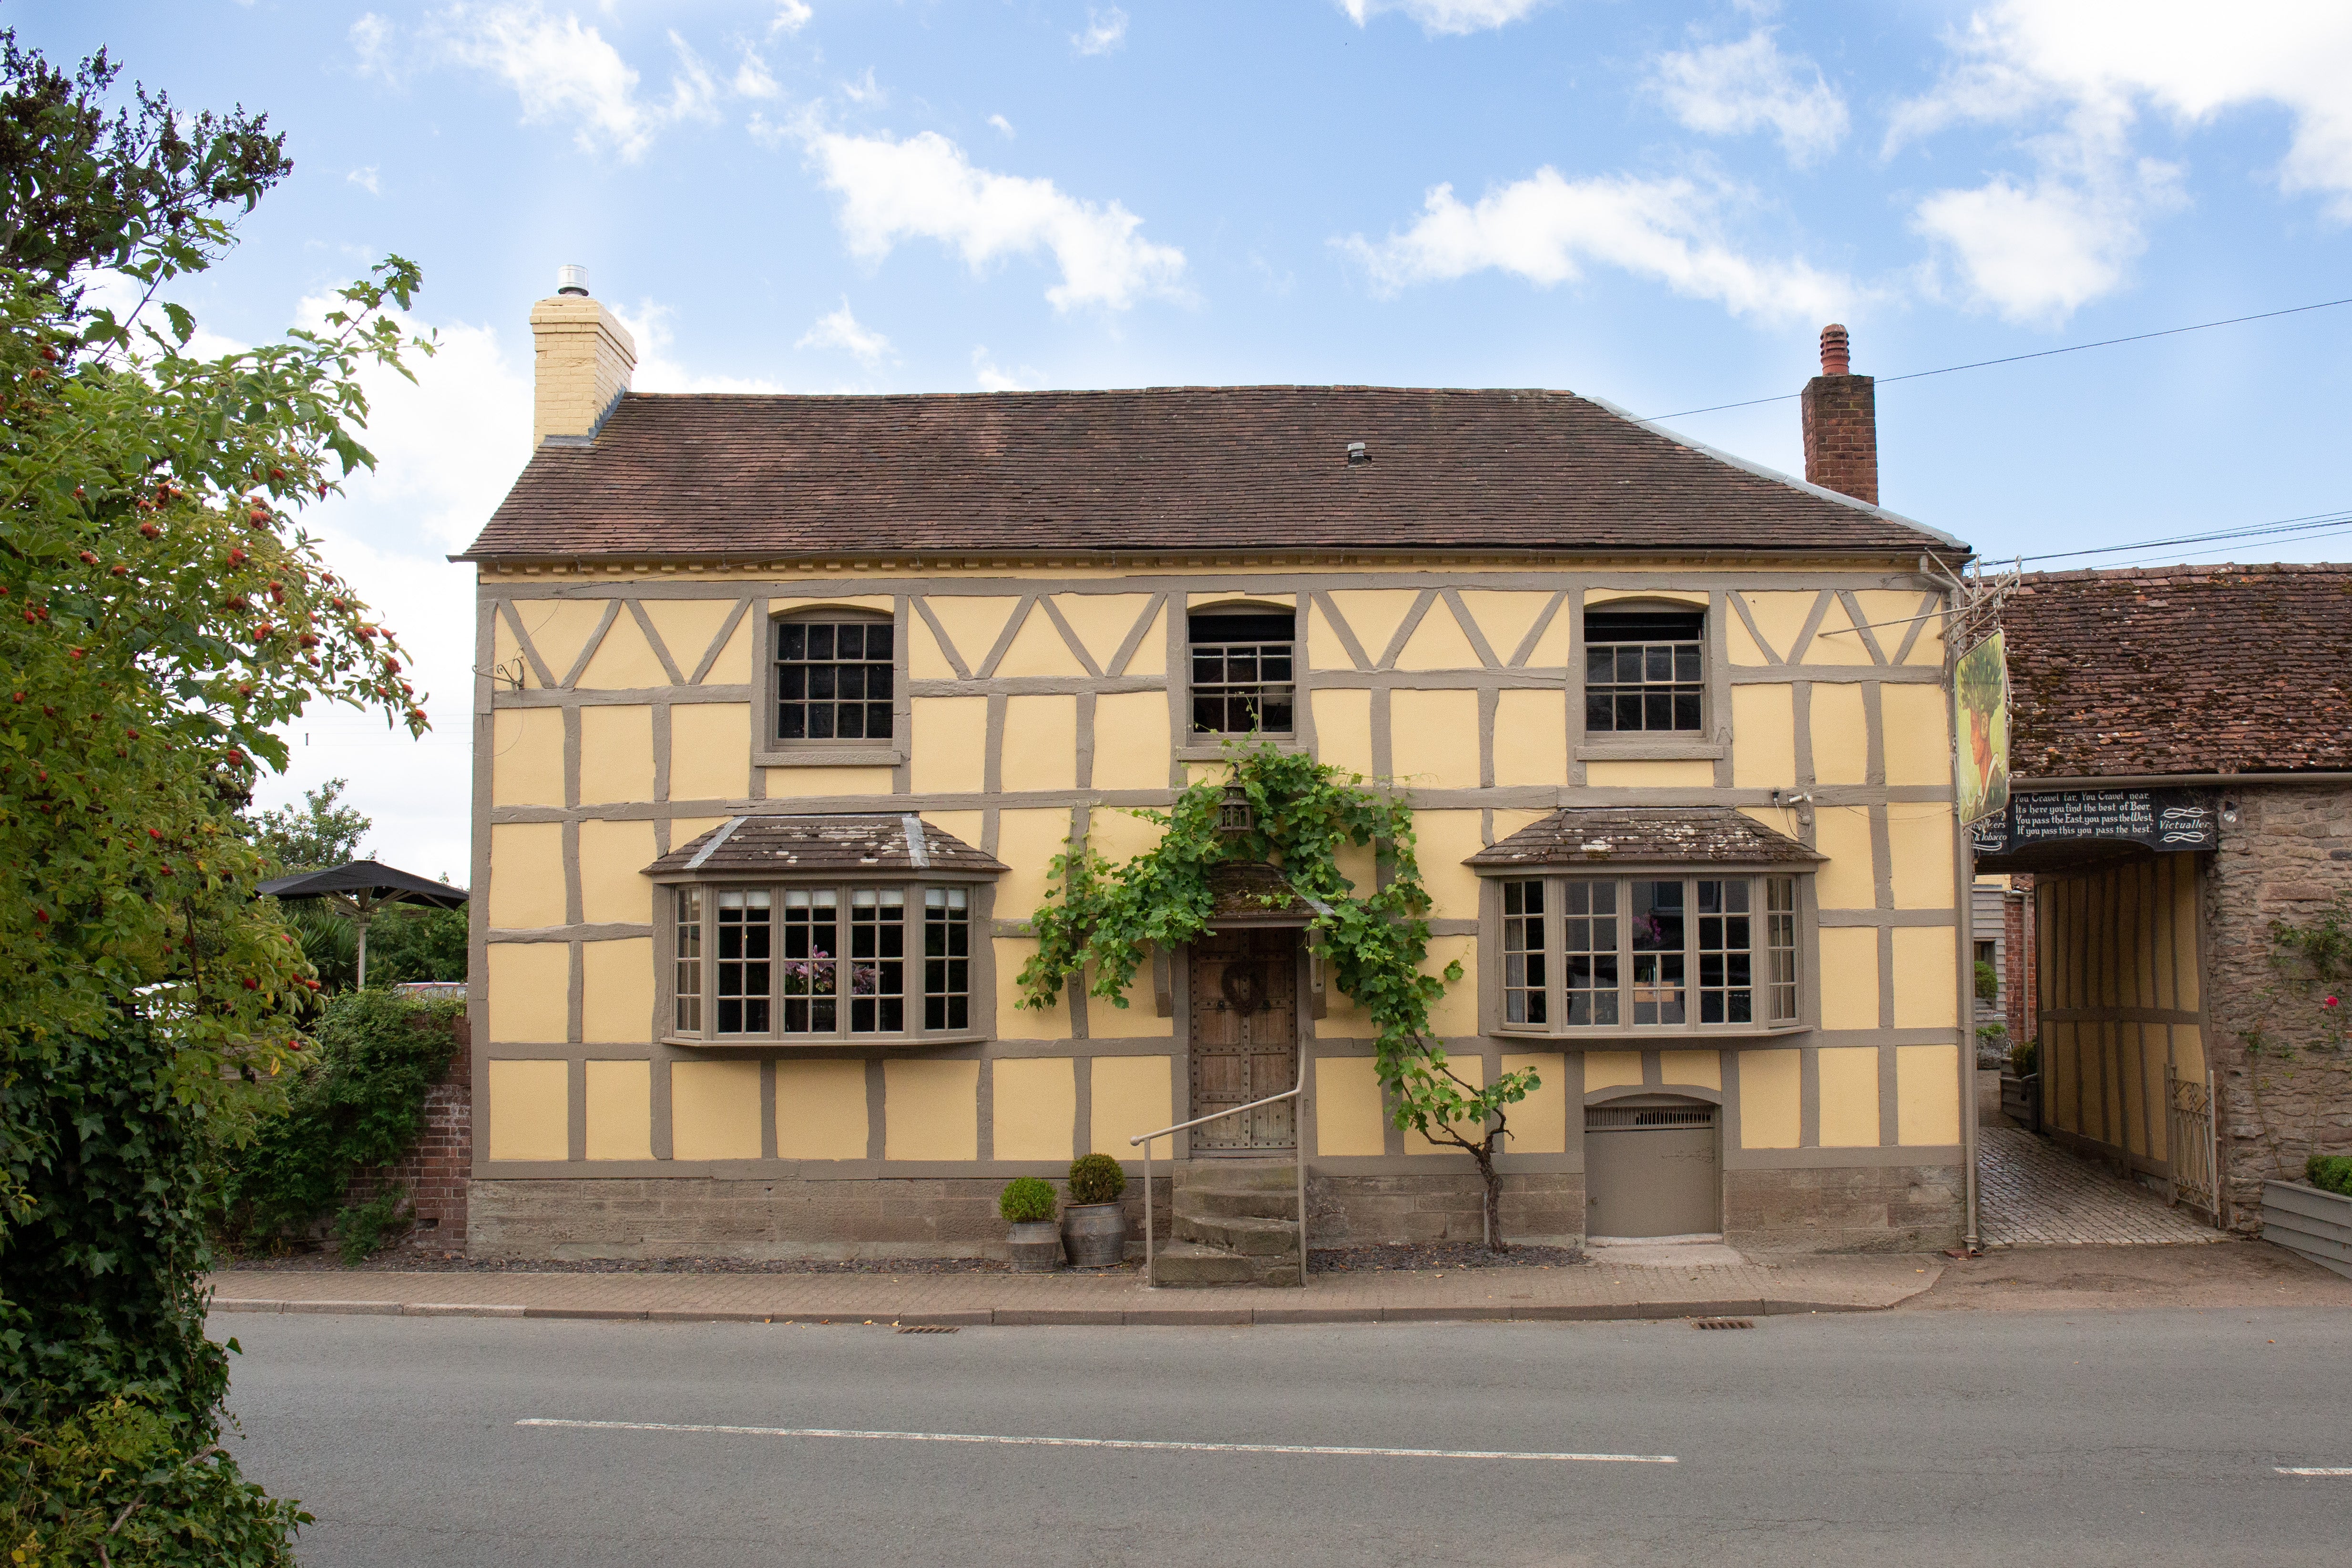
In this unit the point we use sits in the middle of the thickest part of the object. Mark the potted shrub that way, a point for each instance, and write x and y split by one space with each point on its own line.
2020 1085
1094 1225
1035 1244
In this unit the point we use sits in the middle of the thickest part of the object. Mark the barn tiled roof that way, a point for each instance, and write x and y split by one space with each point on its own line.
1610 834
1259 467
863 842
2180 670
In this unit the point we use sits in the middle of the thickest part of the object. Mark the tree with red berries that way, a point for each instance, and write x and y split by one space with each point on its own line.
162 615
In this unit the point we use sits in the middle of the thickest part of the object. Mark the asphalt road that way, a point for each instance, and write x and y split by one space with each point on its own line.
2128 1439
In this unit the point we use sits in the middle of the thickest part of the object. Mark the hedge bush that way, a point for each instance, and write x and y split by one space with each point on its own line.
359 1102
1025 1200
2330 1172
1095 1179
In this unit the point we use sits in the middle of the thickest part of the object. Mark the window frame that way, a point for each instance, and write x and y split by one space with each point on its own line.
1711 741
979 903
772 750
1202 745
1762 982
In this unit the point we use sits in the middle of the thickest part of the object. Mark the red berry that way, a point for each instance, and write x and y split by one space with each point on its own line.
87 559
251 984
151 833
277 473
391 667
235 758
148 531
236 557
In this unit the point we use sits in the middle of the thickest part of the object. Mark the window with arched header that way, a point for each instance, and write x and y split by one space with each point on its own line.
1242 669
1644 668
834 676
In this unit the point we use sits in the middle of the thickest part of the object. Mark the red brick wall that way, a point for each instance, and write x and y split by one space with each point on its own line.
2018 950
437 1170
1842 434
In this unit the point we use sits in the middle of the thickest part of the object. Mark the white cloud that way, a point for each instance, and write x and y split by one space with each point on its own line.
1446 16
563 70
988 377
365 179
924 187
792 16
369 35
1547 229
1106 30
1002 125
1735 88
751 77
864 90
840 330
2076 75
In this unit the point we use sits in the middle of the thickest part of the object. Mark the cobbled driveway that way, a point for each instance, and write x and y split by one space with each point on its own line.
2034 1194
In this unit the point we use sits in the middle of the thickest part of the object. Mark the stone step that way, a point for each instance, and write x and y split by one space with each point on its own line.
1189 1263
1239 1203
1237 1176
1247 1237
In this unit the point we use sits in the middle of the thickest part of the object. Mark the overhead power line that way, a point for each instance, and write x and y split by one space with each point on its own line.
2014 359
2310 525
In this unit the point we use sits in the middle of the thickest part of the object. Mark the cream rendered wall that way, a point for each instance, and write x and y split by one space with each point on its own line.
1927 1094
820 1109
616 754
1763 737
714 1110
530 985
1538 1124
709 750
1771 1112
620 1111
932 1112
929 1109
1350 1117
1035 1107
526 875
1849 1079
530 1110
1131 1095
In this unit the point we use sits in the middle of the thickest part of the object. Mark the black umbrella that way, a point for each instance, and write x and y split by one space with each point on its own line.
359 888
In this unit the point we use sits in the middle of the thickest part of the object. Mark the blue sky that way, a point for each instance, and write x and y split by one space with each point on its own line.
1658 204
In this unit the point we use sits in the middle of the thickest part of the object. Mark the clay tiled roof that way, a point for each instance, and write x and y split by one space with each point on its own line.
851 843
1257 467
2180 670
1627 835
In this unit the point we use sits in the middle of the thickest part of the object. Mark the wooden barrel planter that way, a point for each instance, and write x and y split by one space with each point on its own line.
1096 1235
1035 1247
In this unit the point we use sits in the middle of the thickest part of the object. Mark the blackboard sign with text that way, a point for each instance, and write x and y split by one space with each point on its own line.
2169 820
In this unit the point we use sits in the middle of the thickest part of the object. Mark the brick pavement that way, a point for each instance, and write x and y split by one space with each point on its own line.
1590 1291
2031 1192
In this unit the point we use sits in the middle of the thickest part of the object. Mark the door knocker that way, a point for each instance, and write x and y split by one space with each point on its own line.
1243 986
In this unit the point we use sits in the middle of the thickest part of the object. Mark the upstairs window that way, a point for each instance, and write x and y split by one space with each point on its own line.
835 678
1243 681
1644 671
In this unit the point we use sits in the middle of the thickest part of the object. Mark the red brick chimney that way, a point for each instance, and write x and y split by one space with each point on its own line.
1841 424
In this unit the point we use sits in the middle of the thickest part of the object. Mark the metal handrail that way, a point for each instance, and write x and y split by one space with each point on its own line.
1299 1150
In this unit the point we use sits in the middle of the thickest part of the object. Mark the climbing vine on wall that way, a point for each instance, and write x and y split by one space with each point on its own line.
1104 918
2301 1028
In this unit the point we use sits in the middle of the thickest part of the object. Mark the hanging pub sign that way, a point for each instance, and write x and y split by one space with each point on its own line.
2171 820
1981 714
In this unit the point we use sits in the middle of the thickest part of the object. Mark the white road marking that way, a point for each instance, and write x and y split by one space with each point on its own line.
2314 1470
1102 1442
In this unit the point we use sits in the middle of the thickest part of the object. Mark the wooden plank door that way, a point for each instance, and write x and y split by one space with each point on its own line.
1244 1038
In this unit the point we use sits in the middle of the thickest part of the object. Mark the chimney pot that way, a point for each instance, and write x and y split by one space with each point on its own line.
1836 351
571 280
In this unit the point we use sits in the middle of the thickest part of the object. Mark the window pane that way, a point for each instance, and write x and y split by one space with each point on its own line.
1241 674
947 967
1524 998
834 680
878 969
1725 962
686 958
1635 681
743 969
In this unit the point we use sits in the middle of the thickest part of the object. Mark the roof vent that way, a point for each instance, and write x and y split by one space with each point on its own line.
571 280
1358 454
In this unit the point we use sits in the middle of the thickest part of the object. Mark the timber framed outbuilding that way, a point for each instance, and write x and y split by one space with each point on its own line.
787 704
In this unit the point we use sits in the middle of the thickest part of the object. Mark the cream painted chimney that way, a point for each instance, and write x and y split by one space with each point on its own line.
583 359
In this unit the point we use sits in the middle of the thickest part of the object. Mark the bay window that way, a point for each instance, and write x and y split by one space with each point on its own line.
1647 952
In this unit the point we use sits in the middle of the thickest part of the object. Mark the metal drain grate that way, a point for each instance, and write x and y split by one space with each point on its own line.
1700 1323
927 1328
